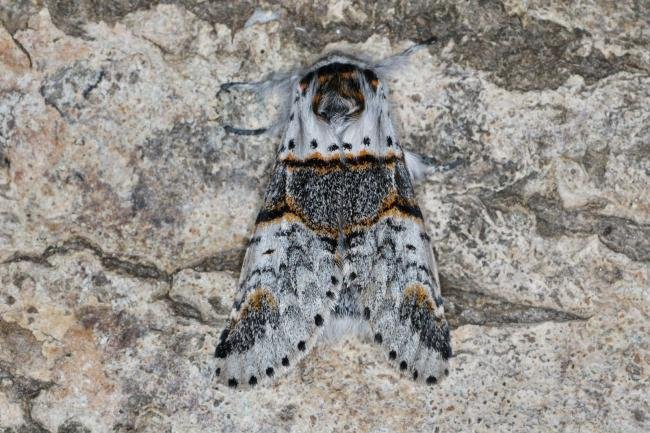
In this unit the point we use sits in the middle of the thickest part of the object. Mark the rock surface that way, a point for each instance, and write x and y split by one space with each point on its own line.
125 208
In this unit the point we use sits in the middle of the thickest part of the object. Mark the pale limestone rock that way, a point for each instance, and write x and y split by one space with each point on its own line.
125 209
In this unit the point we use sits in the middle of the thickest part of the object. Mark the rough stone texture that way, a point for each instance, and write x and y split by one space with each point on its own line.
124 209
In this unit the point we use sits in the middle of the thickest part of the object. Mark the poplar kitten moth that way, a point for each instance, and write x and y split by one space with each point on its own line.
340 236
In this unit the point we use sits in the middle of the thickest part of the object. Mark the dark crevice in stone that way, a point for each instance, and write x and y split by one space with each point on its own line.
25 390
64 89
164 51
15 14
620 235
228 260
94 85
475 308
24 50
51 103
71 15
183 309
130 266
20 257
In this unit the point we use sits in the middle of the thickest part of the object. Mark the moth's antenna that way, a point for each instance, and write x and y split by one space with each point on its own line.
263 87
418 46
270 84
388 64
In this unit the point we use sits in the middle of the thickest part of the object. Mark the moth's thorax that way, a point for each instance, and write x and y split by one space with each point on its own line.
338 91
339 110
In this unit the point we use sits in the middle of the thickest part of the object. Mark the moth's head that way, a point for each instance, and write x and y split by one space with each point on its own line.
339 90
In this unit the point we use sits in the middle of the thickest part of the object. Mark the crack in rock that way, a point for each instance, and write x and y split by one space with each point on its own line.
22 48
25 390
227 260
618 234
621 235
475 308
462 307
183 309
132 266
68 88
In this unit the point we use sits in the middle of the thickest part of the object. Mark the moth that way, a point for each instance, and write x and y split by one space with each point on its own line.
340 236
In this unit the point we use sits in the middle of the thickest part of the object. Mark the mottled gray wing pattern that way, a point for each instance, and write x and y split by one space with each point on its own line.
390 272
288 284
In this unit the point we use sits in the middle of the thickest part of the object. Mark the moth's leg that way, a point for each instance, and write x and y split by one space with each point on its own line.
255 86
400 295
274 81
242 85
436 166
240 131
420 166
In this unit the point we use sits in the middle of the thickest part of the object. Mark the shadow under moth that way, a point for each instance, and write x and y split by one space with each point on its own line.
340 236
